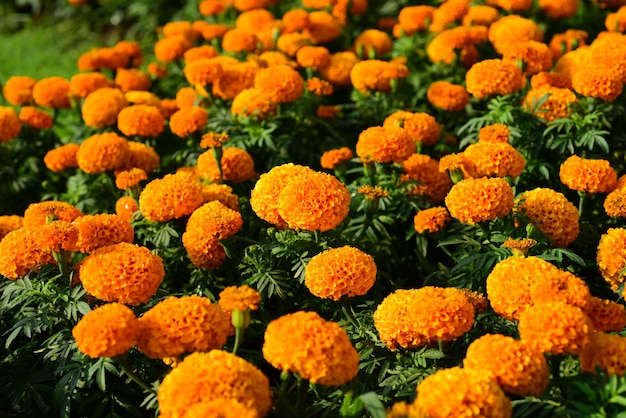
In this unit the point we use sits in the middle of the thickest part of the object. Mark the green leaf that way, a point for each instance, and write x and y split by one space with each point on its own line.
373 405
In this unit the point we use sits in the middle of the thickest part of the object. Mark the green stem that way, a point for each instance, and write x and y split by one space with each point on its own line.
346 307
581 203
303 388
238 336
217 154
126 368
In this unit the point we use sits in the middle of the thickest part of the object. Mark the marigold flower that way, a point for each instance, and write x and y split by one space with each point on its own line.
555 327
18 90
498 159
317 350
96 231
519 246
56 236
108 331
586 175
215 219
221 193
598 83
171 197
237 166
553 214
606 315
279 83
125 207
132 79
415 317
204 251
556 106
561 286
431 219
512 29
497 132
323 27
319 87
415 18
384 145
36 118
132 50
430 181
124 273
240 40
42 212
203 71
200 52
141 120
254 103
480 15
339 272
452 44
571 39
559 9
493 77
313 57
52 92
339 69
10 223
187 97
327 112
517 367
10 125
21 252
235 79
546 79
176 326
100 108
604 351
333 158
447 96
141 156
172 48
447 13
373 42
188 120
616 22
475 200
535 56
376 75
374 193
102 152
239 297
611 256
202 377
220 407
214 31
615 203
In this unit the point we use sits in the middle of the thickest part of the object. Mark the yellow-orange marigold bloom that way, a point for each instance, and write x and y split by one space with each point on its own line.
176 326
125 207
102 152
215 219
567 41
415 18
340 67
235 79
52 92
18 90
171 197
220 407
535 56
290 43
480 199
36 118
141 156
199 52
591 82
203 71
202 377
616 22
430 181
213 7
556 106
606 315
606 352
376 75
124 273
447 13
132 50
611 256
339 272
323 27
512 5
517 367
126 179
96 231
493 77
187 97
317 350
295 20
451 44
188 120
101 107
313 201
512 29
373 42
10 125
586 175
447 96
544 79
222 193
497 159
327 112
214 31
313 57
497 132
172 48
237 166
384 145
239 297
555 327
10 223
204 251
240 40
40 213
108 331
319 87
255 20
480 15
615 203
245 5
254 103
559 9
553 214
415 317
157 70
21 252
332 158
563 286
141 120
132 79
56 236
431 219
279 83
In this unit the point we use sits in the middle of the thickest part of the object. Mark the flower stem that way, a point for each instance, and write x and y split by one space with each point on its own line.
581 203
346 307
126 368
238 334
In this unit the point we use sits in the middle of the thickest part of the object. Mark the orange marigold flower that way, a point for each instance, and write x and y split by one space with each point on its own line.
145 98
313 201
559 9
124 273
339 69
171 197
556 106
132 79
291 43
141 156
563 286
586 175
535 56
279 83
202 377
519 246
447 96
480 15
125 207
512 5
157 70
611 256
187 97
10 125
606 352
254 103
108 331
102 152
323 27
431 219
239 297
372 42
384 145
10 223
237 166
235 79
132 50
415 18
555 327
141 120
203 71
100 108
188 120
56 236
430 182
339 272
543 79
480 199
213 7
221 193
36 118
598 83
213 139
333 158
553 214
204 251
52 92
240 40
42 212
295 20
96 231
314 57
214 31
497 132
517 367
220 407
21 252
199 52
615 203
498 159
493 77
319 87
176 326
567 41
452 44
512 29
318 350
172 48
415 317
327 112
478 300
215 219
606 315
373 193
18 90
376 75
447 13
571 62
616 22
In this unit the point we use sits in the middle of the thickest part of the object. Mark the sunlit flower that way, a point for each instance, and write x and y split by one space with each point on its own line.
102 152
220 407
252 102
188 120
611 256
203 71
200 52
279 83
125 207
567 41
556 106
376 75
222 193
447 13
141 156
21 252
497 132
132 79
140 120
591 82
101 107
215 219
497 159
431 219
548 79
108 331
237 166
41 213
415 18
332 158
480 199
339 69
36 118
239 297
318 350
18 90
422 128
204 251
606 315
313 57
319 87
10 223
493 77
171 48
240 40
587 175
606 352
384 145
430 182
512 29
480 15
563 286
171 197
447 96
235 79
615 203
10 124
52 92
373 42
535 56
96 231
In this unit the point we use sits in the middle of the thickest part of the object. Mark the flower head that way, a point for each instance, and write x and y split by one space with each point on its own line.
52 92
127 179
422 128
222 193
493 77
254 103
563 286
513 29
604 351
141 156
606 315
415 18
214 219
373 42
598 83
611 256
141 120
332 158
188 120
279 83
101 107
431 219
97 231
497 132
339 69
18 90
125 207
220 407
447 96
42 212
171 197
237 166
535 56
10 223
376 75
21 252
615 203
239 297
586 175
10 124
36 118
203 71
475 200
102 152
204 251
430 181
317 350
497 159
172 48
314 57
132 79
556 106
559 9
384 145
